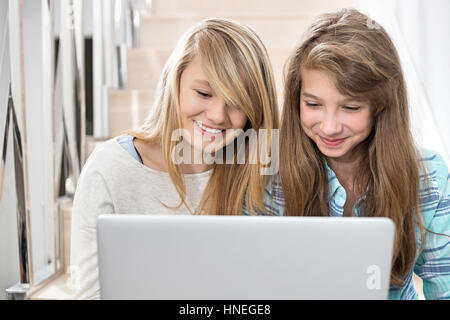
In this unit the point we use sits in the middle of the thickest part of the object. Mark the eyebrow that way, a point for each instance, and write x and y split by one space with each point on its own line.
350 99
202 82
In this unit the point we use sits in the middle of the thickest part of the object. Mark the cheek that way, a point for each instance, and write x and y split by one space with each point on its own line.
183 104
360 124
188 105
308 117
238 119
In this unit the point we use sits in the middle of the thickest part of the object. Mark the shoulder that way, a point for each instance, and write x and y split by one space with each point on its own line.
109 160
434 168
434 186
105 149
109 154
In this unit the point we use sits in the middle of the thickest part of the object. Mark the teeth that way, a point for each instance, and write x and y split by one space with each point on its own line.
209 130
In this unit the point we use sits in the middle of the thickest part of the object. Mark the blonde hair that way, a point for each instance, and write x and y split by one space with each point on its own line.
239 70
363 63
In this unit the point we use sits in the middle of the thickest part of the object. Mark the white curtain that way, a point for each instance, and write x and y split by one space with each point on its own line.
421 32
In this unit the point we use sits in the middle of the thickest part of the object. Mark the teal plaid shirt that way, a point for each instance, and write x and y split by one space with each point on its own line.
433 263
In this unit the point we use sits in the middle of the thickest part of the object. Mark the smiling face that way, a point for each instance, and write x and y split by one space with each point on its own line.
204 114
336 123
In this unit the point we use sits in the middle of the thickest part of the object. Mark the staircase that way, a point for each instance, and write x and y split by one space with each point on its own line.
279 24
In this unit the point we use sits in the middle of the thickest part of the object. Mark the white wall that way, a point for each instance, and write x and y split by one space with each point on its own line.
425 26
421 32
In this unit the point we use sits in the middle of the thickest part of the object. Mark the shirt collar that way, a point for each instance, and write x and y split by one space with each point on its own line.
333 182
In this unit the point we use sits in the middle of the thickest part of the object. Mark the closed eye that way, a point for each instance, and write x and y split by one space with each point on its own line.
352 108
203 94
312 104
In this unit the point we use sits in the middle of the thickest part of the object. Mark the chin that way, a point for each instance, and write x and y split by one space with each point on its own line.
203 147
333 152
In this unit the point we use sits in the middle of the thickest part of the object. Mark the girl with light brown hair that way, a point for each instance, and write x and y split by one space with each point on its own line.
347 150
218 80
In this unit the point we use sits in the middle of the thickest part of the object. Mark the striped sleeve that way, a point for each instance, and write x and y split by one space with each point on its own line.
433 264
273 199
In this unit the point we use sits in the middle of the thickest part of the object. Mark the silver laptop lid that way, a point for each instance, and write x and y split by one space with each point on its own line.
241 257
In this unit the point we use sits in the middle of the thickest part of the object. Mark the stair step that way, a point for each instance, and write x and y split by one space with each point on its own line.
255 7
144 71
275 31
57 289
128 109
144 67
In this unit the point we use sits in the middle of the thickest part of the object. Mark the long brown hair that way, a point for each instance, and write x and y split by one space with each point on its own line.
238 68
362 61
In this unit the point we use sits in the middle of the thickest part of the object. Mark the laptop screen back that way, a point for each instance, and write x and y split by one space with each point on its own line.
241 257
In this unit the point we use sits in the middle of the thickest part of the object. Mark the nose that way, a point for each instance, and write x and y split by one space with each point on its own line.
331 125
217 112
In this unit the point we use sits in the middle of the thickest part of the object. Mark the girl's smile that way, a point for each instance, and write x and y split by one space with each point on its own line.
332 142
209 131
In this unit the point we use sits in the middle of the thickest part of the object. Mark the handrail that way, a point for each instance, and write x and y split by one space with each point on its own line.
16 115
64 113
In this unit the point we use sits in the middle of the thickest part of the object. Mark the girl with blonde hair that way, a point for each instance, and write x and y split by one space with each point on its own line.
217 81
347 148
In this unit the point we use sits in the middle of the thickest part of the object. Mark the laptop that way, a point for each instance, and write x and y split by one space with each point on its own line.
243 257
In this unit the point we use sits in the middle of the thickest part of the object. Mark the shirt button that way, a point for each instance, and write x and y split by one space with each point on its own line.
340 193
